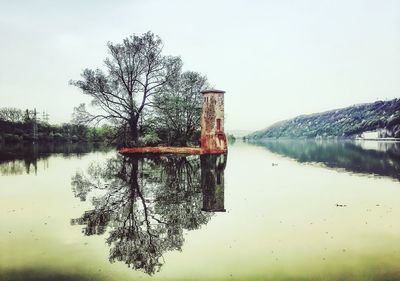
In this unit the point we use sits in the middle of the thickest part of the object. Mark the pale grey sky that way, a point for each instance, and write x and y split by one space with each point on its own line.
275 59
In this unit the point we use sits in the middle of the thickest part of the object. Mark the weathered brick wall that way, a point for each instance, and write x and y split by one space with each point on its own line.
213 109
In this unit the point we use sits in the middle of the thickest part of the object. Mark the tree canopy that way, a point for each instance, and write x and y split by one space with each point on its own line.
178 108
141 86
11 114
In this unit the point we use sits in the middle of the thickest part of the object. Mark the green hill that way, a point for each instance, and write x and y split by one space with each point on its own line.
349 122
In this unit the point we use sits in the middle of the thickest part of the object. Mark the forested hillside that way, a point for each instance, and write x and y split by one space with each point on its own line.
350 122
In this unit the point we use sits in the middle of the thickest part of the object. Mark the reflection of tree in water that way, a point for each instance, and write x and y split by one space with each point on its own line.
146 203
348 155
15 160
19 167
26 157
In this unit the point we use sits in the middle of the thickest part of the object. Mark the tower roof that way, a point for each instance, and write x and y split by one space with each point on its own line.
212 91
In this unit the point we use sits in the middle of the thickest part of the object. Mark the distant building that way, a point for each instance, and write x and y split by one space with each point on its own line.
213 138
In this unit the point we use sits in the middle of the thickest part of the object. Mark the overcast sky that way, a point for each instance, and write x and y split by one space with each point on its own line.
275 59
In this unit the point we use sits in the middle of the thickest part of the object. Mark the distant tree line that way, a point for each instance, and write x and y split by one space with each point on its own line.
144 94
16 125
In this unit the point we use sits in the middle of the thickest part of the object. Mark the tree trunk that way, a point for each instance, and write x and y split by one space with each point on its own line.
183 142
134 132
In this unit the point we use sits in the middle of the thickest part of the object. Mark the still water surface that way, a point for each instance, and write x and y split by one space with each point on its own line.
277 210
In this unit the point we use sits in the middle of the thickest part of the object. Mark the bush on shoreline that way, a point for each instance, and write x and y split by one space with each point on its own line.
15 132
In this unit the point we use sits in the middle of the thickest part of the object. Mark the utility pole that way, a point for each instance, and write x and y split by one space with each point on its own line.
35 126
35 119
45 117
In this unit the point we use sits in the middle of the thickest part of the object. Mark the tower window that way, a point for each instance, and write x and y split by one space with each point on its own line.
218 124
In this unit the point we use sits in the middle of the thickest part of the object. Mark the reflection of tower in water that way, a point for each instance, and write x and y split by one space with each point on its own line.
212 181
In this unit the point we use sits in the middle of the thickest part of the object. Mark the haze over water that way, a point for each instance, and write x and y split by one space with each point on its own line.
301 210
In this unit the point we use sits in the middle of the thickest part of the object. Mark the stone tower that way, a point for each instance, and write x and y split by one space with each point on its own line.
213 139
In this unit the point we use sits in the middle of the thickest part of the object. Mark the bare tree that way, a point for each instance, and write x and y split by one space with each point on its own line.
136 71
11 114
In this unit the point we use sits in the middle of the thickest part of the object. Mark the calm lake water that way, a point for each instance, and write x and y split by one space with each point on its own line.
277 210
